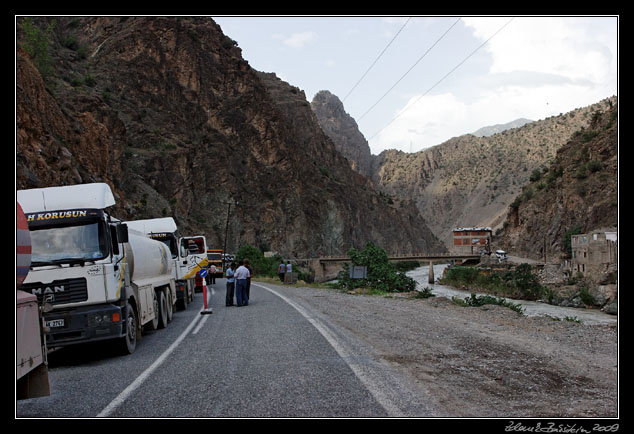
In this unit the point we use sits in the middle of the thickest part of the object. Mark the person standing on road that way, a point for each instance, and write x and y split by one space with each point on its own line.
231 282
281 270
212 274
241 276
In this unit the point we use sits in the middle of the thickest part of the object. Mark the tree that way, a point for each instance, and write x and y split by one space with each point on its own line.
36 44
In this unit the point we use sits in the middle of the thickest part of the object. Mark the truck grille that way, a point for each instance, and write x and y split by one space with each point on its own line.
59 291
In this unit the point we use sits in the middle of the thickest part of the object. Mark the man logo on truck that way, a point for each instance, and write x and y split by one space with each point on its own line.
48 290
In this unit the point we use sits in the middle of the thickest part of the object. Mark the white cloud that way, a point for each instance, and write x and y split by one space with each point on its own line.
539 67
300 40
434 119
551 45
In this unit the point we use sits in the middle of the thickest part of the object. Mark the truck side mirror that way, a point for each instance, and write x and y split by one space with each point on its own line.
122 233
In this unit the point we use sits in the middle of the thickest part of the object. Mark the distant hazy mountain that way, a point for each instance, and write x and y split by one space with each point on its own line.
494 129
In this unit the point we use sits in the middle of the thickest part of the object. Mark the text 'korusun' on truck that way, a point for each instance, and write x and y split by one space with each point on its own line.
101 280
188 253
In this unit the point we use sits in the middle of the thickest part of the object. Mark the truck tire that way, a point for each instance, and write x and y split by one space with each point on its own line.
183 302
153 325
129 341
163 307
170 307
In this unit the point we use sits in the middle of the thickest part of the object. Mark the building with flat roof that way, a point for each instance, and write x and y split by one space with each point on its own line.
594 250
472 241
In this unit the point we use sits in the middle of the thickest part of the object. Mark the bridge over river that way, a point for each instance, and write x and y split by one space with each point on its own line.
328 267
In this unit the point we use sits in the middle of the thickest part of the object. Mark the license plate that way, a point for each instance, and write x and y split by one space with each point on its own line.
54 323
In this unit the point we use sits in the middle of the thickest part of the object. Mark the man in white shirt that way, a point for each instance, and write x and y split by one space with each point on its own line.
241 276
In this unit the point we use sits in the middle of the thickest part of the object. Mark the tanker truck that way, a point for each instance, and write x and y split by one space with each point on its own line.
99 280
188 253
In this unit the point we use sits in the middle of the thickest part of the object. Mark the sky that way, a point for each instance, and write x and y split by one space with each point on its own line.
415 82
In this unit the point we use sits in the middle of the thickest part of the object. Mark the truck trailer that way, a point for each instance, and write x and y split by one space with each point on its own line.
188 253
98 280
31 373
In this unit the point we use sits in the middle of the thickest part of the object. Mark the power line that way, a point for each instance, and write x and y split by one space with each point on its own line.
373 63
445 76
408 71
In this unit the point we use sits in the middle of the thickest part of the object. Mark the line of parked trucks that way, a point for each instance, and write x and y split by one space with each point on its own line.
94 277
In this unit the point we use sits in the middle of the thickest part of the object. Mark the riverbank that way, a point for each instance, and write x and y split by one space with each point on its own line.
531 308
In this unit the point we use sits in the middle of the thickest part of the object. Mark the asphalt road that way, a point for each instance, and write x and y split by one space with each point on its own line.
272 358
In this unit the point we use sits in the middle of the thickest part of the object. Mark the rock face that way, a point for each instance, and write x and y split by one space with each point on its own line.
579 191
343 130
168 113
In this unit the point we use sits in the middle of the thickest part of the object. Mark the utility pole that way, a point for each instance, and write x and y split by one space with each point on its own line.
224 248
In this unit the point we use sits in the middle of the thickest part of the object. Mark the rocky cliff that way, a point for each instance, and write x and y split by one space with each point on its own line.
168 113
343 130
577 193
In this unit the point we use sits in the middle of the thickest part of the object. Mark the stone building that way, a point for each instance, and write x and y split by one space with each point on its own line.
595 251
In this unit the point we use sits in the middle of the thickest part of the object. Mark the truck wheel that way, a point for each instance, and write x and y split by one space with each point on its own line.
170 307
183 302
162 313
128 342
153 325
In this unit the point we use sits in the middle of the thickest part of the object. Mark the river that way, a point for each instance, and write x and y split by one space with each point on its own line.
531 308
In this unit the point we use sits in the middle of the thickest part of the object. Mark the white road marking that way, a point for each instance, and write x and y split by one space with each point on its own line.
145 374
200 324
371 385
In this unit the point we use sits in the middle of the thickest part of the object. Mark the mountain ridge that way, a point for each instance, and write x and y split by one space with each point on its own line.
467 180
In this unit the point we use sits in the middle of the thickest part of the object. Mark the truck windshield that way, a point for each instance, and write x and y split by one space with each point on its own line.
61 244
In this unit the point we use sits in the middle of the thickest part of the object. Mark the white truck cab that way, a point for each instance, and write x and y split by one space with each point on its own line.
98 280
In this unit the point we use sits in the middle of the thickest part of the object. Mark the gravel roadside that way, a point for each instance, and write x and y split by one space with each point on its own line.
480 361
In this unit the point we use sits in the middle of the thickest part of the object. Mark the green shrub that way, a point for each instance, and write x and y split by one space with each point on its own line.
520 282
382 275
261 266
36 44
481 300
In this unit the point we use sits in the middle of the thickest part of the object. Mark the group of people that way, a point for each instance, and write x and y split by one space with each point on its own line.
238 281
282 269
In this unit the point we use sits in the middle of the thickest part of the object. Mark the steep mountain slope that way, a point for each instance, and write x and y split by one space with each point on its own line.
471 181
168 112
466 181
578 192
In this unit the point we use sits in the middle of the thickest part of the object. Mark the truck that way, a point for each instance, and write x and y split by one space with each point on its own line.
100 280
188 254
31 372
215 257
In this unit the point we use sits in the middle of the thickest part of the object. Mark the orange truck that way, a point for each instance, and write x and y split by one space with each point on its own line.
215 257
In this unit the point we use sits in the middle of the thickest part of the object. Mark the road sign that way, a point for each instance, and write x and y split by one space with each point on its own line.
358 272
203 272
